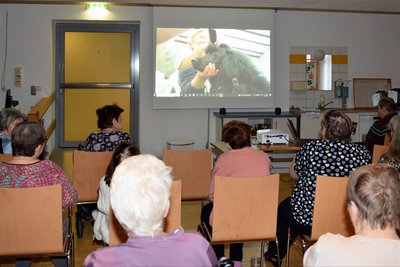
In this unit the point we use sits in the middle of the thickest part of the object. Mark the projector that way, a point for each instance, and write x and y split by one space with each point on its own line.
272 136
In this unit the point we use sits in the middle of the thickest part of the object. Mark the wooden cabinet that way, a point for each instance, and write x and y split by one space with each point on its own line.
364 88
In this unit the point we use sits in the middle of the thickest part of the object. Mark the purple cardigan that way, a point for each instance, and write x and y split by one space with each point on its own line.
178 248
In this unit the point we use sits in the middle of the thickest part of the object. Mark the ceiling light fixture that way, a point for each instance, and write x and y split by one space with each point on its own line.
97 10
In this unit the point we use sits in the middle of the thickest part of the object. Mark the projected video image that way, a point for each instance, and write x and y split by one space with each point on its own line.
212 62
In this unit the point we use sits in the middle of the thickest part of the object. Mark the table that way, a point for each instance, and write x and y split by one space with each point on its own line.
281 155
220 118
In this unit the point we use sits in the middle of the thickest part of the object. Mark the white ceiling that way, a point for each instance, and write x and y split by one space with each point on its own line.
373 6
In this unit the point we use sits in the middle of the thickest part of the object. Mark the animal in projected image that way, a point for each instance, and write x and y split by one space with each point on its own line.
237 73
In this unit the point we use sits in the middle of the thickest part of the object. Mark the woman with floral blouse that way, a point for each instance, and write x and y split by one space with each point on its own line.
333 155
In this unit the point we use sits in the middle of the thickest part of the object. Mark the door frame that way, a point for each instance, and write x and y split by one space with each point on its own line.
83 26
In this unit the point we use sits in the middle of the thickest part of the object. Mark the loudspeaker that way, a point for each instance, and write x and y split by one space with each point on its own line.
278 111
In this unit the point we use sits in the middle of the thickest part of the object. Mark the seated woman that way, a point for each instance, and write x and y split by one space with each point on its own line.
110 124
26 170
373 205
139 197
9 118
240 161
102 215
333 155
392 157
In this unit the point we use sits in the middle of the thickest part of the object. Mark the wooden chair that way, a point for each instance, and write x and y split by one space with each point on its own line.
193 168
330 211
5 157
378 151
88 168
31 223
245 209
171 222
388 138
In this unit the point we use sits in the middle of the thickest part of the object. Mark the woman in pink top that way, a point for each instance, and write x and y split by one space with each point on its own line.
240 161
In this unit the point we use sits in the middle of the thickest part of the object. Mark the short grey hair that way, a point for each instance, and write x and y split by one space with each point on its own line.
375 190
139 194
8 115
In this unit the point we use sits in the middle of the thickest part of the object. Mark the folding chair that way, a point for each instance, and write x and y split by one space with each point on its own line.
378 151
171 222
193 168
330 211
5 157
245 209
31 223
88 168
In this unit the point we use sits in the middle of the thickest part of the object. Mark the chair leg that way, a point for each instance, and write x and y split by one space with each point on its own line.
303 244
262 254
277 252
79 225
288 249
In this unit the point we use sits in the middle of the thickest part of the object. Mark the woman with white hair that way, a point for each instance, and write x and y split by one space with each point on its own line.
139 197
373 204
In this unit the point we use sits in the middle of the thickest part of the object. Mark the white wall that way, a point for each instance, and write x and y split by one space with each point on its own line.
372 41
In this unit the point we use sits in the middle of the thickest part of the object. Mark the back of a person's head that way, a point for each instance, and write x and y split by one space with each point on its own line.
121 152
139 194
236 134
337 125
394 147
387 103
8 115
375 190
26 137
107 114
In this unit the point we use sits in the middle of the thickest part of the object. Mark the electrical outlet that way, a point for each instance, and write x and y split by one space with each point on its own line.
33 90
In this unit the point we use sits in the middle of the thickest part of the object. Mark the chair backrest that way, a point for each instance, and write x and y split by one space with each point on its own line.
193 168
330 207
88 168
378 151
388 138
171 222
5 157
31 220
245 209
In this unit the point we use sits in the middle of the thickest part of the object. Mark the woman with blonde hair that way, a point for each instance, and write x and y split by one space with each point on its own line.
392 156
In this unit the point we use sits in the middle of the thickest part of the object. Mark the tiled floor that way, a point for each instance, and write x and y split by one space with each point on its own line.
190 220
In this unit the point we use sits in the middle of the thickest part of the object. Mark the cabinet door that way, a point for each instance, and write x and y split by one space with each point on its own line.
310 125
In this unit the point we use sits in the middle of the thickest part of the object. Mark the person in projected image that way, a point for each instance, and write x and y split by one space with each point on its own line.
191 81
